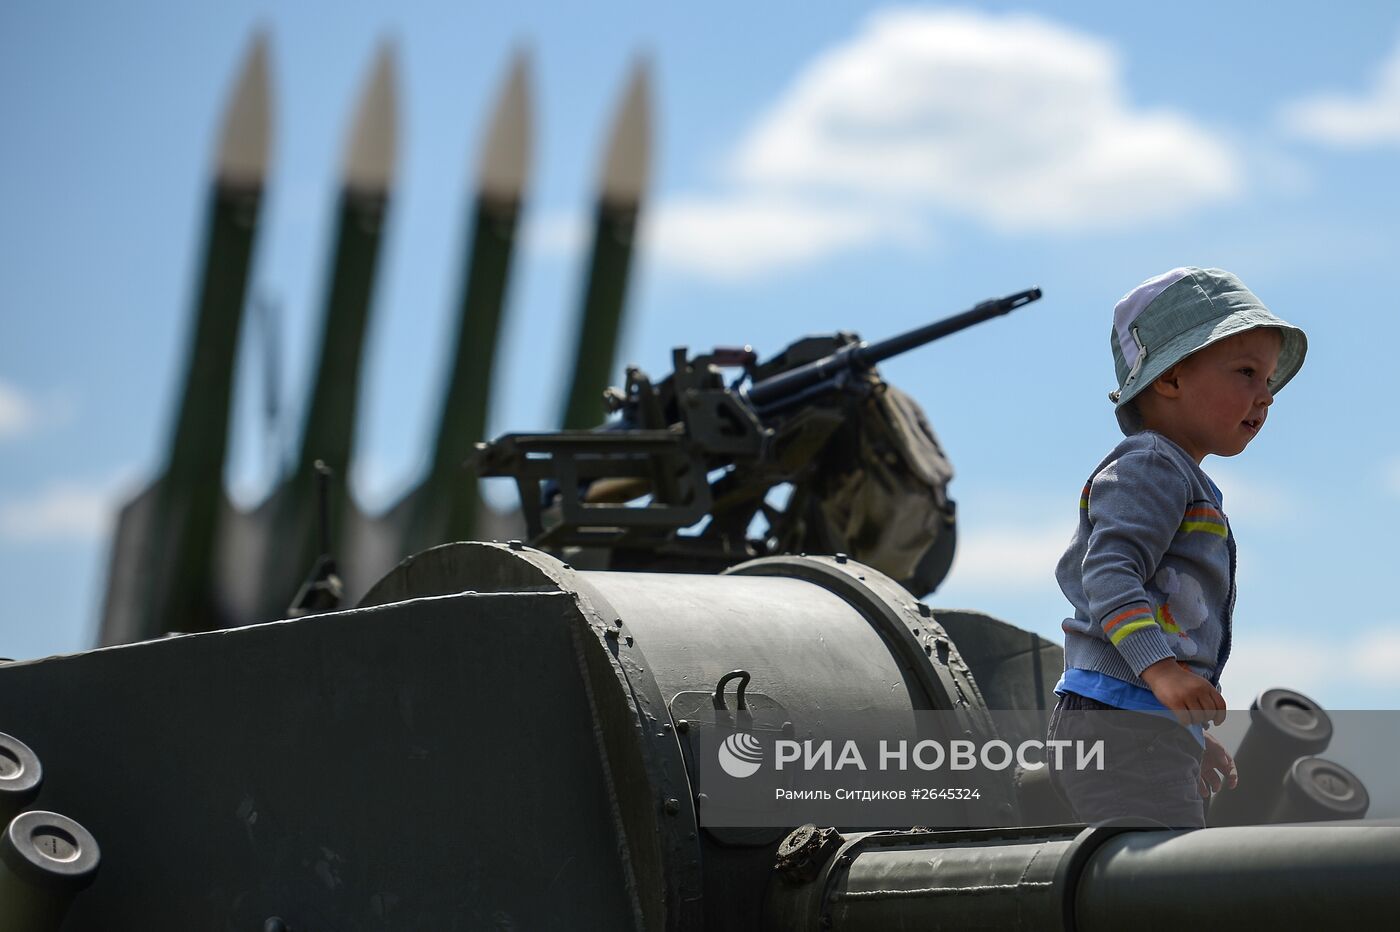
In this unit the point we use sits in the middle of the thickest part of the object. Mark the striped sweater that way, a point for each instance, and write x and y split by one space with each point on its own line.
1151 568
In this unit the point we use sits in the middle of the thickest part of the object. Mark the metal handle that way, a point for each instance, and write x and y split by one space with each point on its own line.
717 697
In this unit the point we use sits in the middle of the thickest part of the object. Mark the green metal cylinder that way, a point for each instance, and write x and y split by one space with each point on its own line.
994 879
1096 879
1283 726
45 860
1317 790
1241 878
603 305
20 776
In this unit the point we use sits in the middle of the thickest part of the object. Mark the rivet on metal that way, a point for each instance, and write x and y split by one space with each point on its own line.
841 558
925 610
515 545
672 806
682 726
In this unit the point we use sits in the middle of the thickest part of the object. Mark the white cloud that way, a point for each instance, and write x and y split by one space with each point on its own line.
1013 120
1370 658
377 481
1391 476
736 237
1375 655
1371 118
1016 122
1252 499
63 510
563 233
17 412
1009 557
21 412
1256 665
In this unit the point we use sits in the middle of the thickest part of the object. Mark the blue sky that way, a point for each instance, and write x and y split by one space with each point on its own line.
817 167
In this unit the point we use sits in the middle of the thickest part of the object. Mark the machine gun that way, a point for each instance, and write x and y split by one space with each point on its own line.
808 451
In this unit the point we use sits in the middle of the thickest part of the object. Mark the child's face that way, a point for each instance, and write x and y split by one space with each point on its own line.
1223 393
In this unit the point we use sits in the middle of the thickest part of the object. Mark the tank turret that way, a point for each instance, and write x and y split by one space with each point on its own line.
494 738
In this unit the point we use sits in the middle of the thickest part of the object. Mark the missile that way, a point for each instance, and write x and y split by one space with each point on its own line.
623 180
291 543
366 175
162 552
445 506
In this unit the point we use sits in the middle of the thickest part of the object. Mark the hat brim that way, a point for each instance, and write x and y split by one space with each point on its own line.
1160 359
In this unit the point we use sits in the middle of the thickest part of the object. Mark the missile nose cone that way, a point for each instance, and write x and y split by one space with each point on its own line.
369 151
505 158
245 137
627 164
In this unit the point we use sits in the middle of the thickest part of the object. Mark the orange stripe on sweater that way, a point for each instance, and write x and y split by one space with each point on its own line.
1124 616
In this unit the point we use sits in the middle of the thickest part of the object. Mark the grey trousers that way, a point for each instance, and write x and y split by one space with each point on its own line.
1152 765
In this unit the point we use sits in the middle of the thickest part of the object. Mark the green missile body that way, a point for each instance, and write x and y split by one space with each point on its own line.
626 167
163 548
328 433
446 505
290 545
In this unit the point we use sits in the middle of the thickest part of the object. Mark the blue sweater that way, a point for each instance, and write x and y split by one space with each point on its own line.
1151 568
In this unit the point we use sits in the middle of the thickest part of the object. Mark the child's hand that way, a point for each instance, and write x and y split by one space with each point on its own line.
1214 763
1191 697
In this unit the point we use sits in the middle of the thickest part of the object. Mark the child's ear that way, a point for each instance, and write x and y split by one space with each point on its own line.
1167 383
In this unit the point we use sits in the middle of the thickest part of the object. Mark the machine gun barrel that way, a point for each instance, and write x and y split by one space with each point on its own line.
862 356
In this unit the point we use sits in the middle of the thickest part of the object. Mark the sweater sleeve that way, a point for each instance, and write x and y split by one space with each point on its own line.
1135 508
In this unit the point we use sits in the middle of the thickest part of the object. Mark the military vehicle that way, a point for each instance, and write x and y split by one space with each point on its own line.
287 731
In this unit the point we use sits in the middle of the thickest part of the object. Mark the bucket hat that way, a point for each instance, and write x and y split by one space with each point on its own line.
1169 317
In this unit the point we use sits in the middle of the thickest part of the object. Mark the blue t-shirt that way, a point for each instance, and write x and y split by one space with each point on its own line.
1120 694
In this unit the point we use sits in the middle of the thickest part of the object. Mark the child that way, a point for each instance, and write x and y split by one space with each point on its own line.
1151 568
